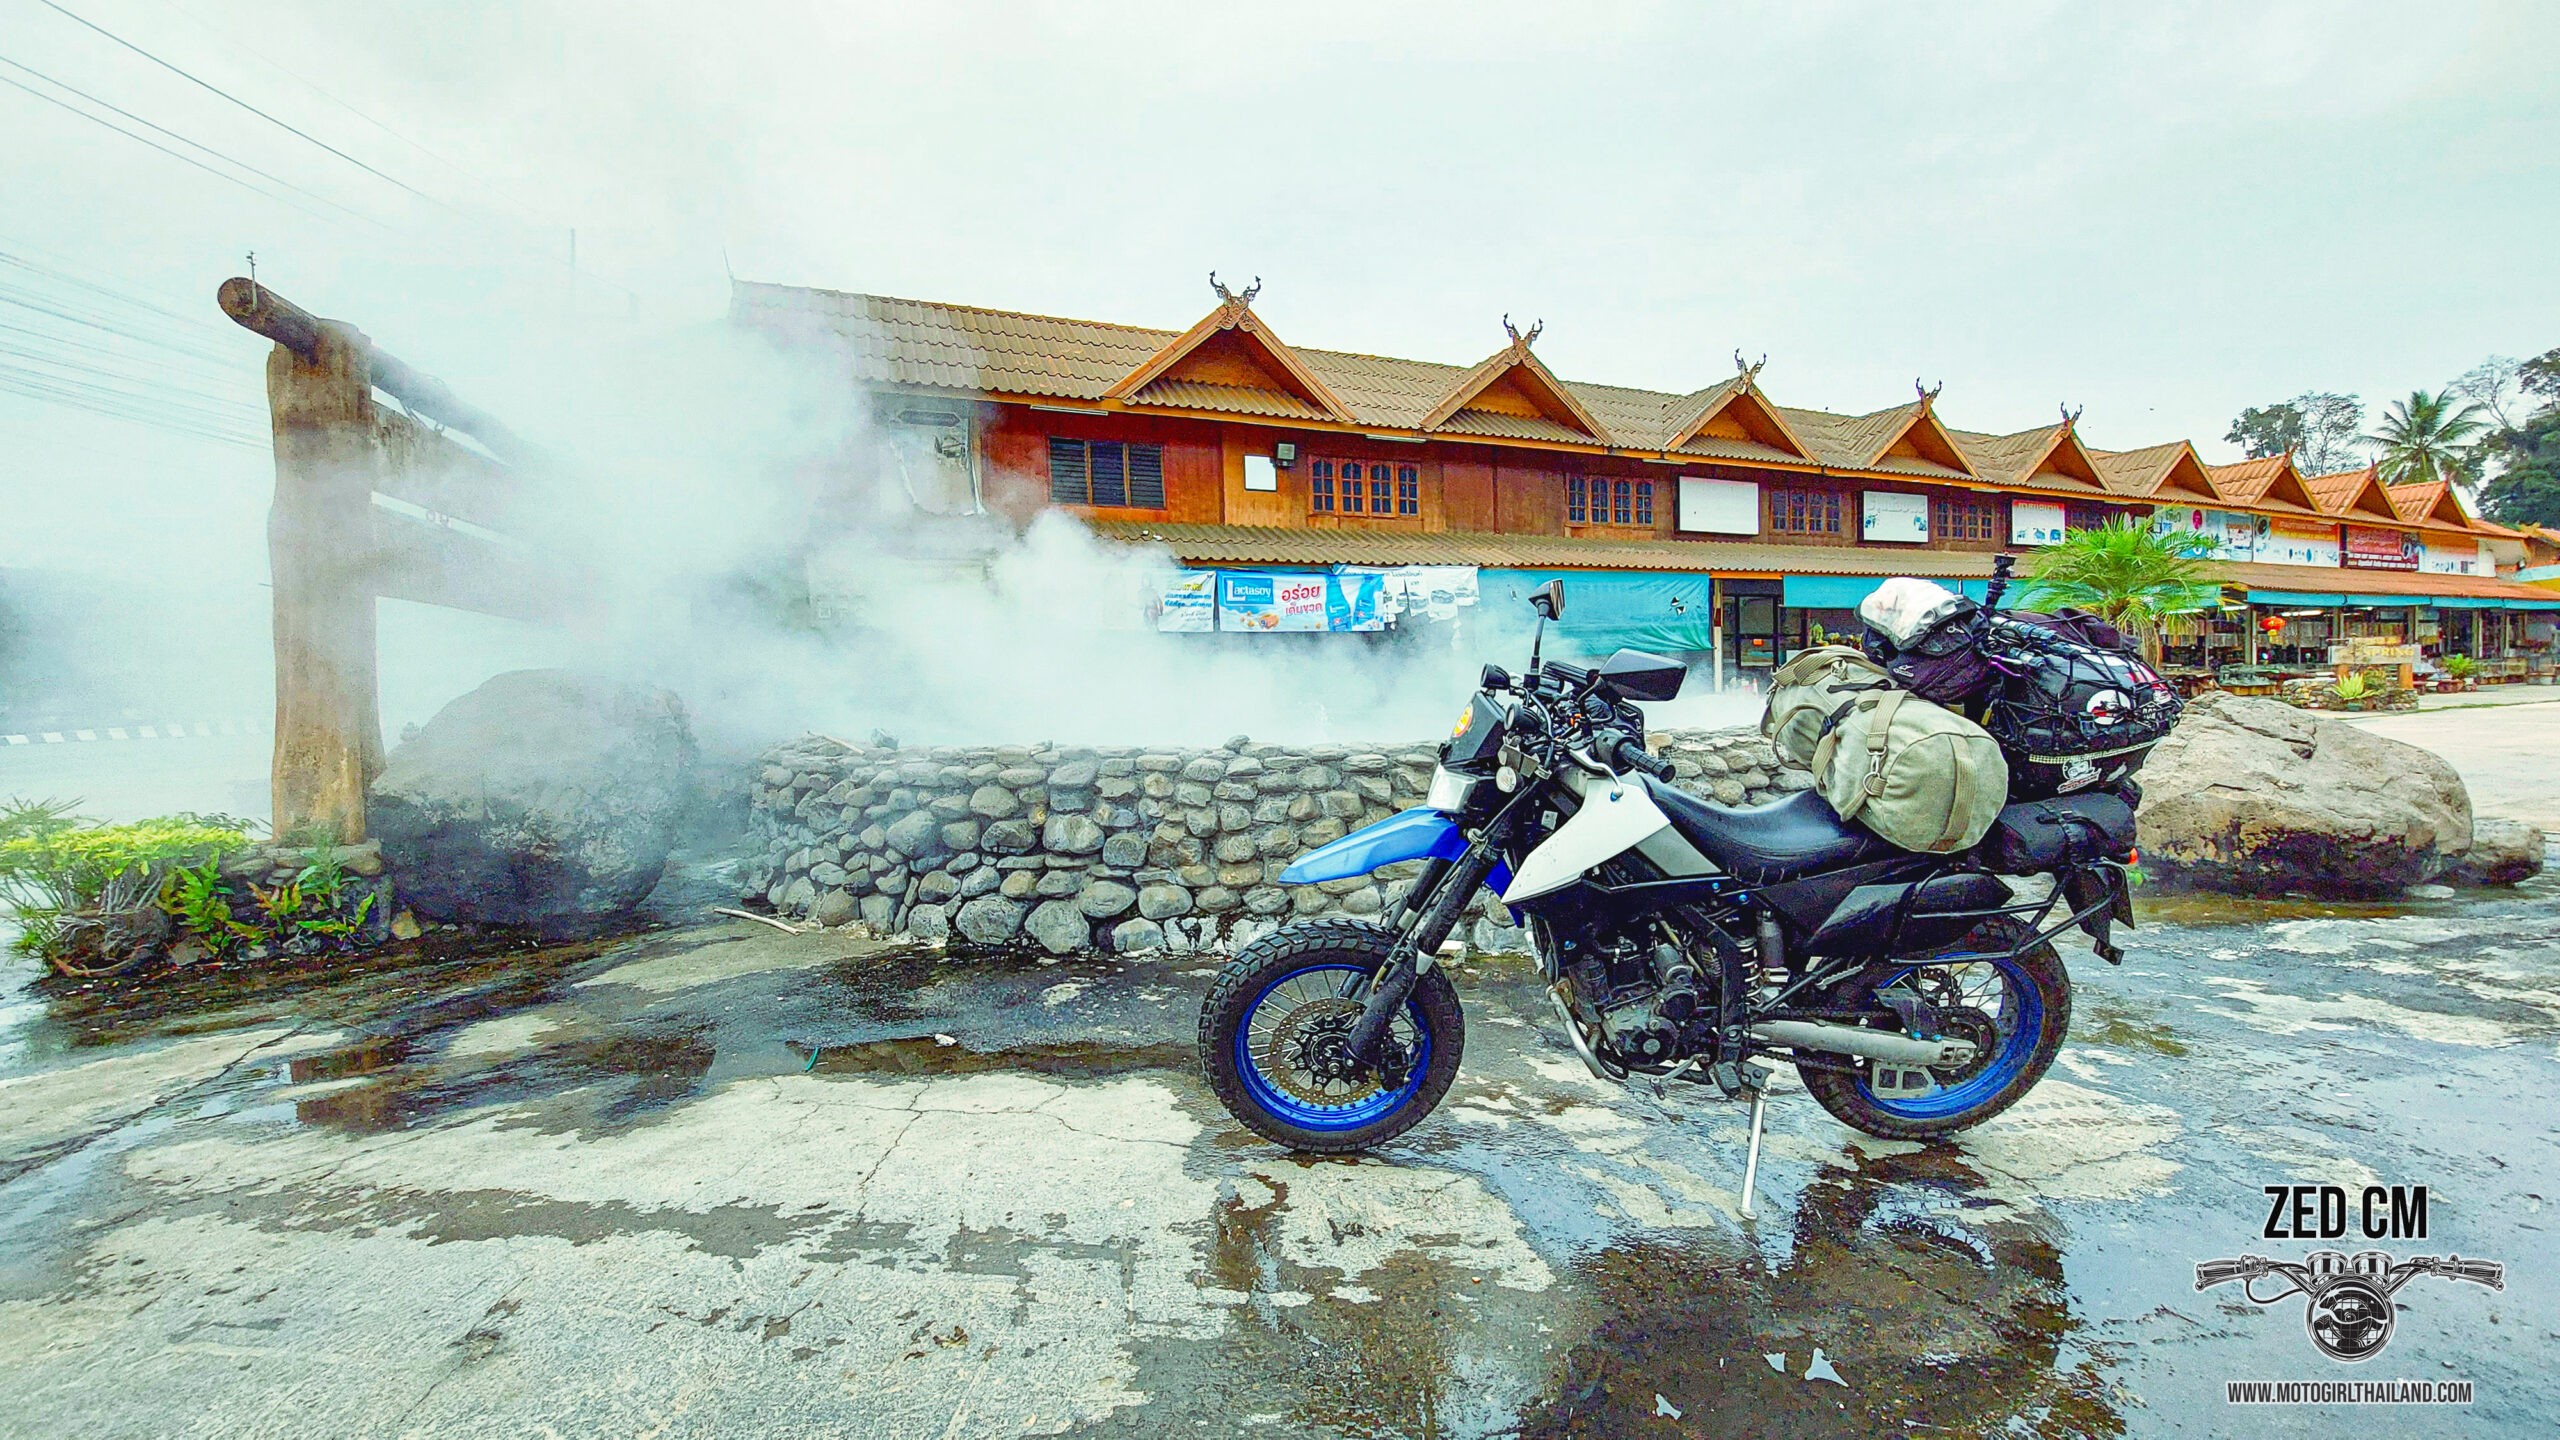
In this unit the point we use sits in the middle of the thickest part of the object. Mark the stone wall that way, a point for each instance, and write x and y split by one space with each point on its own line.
1113 848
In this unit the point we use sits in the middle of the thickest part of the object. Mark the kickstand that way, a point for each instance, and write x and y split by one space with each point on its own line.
1751 1162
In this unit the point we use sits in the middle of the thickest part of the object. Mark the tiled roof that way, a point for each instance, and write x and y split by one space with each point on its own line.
2336 490
928 345
1272 545
1228 399
2320 579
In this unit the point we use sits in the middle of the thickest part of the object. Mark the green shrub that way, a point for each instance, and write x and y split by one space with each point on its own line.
2352 686
83 893
2461 667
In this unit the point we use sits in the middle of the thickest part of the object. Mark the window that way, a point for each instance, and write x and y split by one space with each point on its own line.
1106 472
1577 499
1408 490
1964 520
1382 491
1320 486
1351 494
1804 512
1644 502
2079 516
1363 487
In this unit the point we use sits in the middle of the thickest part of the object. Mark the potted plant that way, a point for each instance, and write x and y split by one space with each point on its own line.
2459 669
2351 690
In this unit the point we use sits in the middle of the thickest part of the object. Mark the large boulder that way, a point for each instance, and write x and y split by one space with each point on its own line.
546 798
2256 797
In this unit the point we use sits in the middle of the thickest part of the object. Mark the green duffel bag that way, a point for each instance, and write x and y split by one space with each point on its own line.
1916 773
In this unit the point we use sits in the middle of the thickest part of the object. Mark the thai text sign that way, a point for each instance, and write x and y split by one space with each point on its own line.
2367 548
1271 602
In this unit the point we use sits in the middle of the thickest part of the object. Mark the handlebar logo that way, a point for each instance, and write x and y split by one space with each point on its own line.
2348 1307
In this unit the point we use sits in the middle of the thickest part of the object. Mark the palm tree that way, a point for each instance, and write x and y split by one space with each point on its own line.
2427 437
2124 572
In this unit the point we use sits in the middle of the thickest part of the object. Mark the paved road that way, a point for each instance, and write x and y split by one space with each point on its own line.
726 1181
2508 755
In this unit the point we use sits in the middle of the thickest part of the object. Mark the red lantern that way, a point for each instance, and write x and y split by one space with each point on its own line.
2271 623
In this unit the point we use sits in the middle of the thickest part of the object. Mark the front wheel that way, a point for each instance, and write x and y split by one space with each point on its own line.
2015 1010
1272 1030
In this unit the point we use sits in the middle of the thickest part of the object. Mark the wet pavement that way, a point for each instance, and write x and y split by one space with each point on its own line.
730 1181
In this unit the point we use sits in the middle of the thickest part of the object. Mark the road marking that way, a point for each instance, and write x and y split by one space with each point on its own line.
176 730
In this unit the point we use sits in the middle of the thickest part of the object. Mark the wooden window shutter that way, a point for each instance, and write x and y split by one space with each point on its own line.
1067 483
1146 477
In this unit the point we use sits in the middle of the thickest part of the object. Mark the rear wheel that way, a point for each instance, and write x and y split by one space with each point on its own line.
2015 1011
1272 1033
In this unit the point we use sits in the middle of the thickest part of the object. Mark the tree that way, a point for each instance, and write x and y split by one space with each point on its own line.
2539 377
2318 427
2492 385
2526 490
2125 572
2428 437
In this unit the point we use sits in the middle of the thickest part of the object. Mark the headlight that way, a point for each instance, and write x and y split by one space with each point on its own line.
1450 791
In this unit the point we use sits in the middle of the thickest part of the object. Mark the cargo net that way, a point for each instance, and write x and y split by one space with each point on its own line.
2061 697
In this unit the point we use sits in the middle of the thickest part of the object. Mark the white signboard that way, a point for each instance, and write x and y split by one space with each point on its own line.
2298 542
1719 507
2033 522
1190 603
2452 560
1892 516
1258 473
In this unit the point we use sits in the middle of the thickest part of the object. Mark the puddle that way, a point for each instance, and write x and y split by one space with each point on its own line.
2096 1022
927 1055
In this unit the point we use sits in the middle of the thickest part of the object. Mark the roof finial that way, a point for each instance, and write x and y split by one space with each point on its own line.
2070 417
1230 298
1928 393
1518 340
1749 370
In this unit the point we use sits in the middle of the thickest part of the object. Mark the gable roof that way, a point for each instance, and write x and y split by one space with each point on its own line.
2429 501
1242 364
2351 494
1475 405
1869 442
2048 457
1706 422
2270 482
2155 470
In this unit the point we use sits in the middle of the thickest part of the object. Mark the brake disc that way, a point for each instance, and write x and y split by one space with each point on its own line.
1307 1052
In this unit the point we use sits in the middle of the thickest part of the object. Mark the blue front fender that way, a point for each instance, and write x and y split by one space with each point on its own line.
1412 835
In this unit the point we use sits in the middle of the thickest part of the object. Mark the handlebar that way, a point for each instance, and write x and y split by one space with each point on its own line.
2210 1273
2491 1273
1624 752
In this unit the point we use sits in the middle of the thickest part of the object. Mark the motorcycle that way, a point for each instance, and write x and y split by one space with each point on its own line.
1916 994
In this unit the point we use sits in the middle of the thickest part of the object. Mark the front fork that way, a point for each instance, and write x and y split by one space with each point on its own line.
1440 906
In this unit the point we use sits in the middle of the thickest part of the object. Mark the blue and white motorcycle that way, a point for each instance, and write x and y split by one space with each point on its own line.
1679 939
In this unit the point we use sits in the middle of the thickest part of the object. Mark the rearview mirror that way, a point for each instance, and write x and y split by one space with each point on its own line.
1640 676
1548 600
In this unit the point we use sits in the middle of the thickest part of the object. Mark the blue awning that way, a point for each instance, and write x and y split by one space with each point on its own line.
1826 592
2296 597
1605 609
2551 604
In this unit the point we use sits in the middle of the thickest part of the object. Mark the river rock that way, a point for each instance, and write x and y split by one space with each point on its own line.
1136 937
1105 898
988 920
2502 852
546 798
2254 796
1059 926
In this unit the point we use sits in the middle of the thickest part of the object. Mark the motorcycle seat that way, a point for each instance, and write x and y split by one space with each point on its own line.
1766 844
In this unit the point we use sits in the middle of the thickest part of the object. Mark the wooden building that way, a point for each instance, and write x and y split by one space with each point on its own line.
1238 450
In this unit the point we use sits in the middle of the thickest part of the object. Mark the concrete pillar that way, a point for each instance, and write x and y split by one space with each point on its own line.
328 744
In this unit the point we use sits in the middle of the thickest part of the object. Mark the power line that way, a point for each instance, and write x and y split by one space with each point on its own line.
181 139
210 409
156 145
54 272
10 295
102 401
245 105
173 392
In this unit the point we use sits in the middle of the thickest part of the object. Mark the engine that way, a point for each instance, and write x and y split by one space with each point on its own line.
1645 991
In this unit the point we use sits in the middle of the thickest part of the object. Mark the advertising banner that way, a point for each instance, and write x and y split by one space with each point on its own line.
1352 603
2301 542
2370 549
1890 515
1248 600
2458 560
2033 522
1190 604
1413 593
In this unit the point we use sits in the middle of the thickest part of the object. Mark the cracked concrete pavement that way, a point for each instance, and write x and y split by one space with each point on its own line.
724 1180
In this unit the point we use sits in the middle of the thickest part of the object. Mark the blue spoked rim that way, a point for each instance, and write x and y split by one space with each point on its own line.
2003 990
1257 1061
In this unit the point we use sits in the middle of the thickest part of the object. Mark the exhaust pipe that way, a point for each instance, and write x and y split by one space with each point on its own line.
1860 1041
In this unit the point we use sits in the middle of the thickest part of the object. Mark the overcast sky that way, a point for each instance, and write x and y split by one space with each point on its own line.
2160 212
